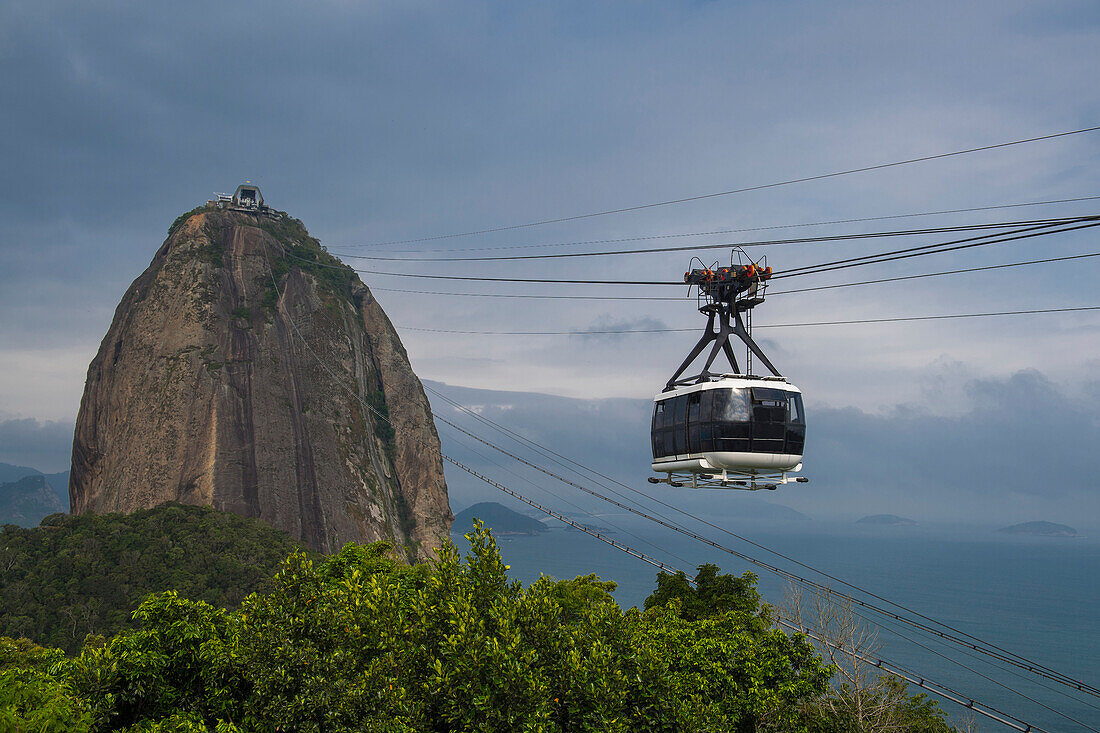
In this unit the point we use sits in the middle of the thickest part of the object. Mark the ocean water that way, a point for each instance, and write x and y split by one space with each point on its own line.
1035 596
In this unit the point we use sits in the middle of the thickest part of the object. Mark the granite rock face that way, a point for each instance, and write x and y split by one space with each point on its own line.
235 374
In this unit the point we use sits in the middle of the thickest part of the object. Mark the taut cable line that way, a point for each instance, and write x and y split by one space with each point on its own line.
940 690
889 256
554 457
726 245
876 281
675 527
856 321
712 232
745 189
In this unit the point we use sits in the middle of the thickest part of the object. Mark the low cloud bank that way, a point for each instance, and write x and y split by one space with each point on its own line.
44 445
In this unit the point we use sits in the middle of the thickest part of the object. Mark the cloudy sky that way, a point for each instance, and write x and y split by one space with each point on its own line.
381 122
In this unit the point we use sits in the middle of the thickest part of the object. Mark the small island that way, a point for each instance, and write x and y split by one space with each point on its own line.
891 519
1040 529
499 518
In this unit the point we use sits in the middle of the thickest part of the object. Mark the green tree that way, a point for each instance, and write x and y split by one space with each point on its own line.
363 641
82 574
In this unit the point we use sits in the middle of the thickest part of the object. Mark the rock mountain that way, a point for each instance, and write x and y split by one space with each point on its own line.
234 375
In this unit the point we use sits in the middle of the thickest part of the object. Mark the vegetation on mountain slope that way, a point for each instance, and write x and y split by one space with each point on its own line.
363 641
85 574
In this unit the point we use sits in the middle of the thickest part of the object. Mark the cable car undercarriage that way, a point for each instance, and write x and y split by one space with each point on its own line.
728 430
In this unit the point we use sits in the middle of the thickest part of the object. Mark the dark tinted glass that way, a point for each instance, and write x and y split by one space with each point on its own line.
680 438
770 396
796 439
678 405
663 414
693 402
733 445
735 430
798 417
731 405
707 434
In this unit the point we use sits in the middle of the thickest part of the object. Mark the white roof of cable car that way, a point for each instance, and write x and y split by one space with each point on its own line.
728 381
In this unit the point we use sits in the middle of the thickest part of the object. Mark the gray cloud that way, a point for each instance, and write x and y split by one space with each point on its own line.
46 446
604 328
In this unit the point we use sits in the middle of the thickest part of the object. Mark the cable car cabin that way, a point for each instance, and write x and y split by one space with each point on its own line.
729 433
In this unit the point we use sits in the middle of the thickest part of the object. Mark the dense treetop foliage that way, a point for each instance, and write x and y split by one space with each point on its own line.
363 641
82 574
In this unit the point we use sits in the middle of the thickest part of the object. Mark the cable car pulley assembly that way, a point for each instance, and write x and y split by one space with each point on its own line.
729 430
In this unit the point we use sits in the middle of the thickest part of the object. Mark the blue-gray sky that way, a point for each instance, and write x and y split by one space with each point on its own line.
403 120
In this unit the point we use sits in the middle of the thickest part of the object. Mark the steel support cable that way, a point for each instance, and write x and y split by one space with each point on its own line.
668 524
922 682
770 294
703 539
559 497
547 453
889 628
940 690
984 710
746 189
1023 662
819 588
902 254
983 268
740 229
857 321
553 456
723 245
930 249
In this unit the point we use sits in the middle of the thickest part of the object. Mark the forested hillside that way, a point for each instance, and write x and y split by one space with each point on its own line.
82 574
362 641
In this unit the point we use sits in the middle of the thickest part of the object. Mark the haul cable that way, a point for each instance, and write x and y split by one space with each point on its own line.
1023 662
930 249
712 232
746 189
856 321
923 682
938 273
724 245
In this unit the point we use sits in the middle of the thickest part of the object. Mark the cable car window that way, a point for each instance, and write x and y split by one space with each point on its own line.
679 405
707 398
731 405
796 440
797 416
706 437
680 441
693 402
660 415
769 406
769 397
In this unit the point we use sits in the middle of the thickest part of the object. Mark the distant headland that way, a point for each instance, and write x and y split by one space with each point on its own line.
499 518
892 519
1040 529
